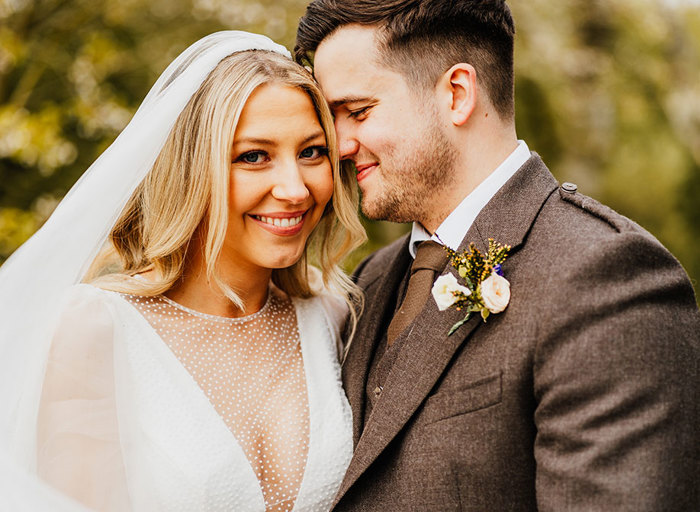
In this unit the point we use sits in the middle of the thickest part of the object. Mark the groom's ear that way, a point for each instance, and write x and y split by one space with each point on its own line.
458 88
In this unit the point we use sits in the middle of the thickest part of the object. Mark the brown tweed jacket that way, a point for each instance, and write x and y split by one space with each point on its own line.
581 395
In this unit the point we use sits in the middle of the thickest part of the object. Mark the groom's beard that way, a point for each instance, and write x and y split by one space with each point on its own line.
411 177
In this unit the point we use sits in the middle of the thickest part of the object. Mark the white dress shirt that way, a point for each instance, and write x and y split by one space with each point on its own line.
454 228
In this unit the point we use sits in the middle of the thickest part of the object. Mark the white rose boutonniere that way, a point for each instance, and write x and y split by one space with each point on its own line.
447 290
495 290
487 291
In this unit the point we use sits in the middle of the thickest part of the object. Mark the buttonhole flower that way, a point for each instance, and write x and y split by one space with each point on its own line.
447 291
486 292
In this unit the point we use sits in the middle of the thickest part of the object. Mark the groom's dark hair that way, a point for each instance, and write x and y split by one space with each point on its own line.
422 39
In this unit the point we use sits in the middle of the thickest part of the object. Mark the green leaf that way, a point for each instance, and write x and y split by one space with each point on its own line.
485 314
459 324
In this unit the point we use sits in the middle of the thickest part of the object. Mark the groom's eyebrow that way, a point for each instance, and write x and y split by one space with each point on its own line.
348 99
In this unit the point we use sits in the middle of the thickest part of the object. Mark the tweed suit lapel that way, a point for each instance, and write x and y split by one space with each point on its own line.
426 348
380 299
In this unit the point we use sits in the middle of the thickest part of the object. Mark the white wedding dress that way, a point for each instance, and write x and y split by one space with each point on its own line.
150 406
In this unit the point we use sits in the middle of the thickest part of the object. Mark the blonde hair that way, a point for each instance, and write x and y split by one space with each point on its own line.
188 188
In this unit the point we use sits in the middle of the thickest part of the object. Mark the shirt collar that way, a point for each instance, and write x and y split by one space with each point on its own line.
454 228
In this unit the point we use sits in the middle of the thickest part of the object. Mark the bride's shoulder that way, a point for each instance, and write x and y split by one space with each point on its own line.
323 316
333 302
86 308
85 323
86 295
332 305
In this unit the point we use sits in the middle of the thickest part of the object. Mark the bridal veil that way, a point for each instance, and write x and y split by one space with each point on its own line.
35 279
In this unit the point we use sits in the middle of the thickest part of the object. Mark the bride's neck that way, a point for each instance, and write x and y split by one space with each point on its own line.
195 291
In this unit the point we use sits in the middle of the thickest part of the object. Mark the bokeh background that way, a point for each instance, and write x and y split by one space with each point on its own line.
608 92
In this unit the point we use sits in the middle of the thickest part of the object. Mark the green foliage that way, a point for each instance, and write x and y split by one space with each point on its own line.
15 227
607 91
459 324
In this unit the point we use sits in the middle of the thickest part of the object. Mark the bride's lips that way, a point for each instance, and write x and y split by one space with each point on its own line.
364 170
281 223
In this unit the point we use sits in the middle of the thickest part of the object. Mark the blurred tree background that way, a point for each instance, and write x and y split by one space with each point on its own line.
608 92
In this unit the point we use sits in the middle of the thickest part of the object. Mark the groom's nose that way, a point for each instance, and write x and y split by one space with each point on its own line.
348 148
348 144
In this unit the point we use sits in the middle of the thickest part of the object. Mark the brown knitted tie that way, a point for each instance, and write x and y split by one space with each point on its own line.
430 258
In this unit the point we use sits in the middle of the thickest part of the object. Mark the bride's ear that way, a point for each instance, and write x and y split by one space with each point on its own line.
458 88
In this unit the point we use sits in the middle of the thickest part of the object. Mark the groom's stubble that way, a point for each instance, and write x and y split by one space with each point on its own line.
412 174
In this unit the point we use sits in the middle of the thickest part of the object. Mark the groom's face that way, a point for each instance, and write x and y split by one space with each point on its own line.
390 132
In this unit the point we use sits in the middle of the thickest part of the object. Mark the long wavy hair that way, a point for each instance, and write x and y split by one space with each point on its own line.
187 190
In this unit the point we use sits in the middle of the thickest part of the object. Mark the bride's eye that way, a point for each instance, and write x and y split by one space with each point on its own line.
313 152
252 157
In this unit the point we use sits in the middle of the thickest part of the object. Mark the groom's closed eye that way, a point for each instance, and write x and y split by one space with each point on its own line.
360 113
352 107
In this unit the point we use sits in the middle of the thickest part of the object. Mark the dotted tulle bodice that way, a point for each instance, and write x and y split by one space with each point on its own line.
252 372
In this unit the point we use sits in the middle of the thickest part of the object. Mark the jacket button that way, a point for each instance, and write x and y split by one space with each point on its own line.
378 391
569 187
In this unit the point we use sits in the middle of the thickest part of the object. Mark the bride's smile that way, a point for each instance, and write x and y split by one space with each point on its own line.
280 181
280 220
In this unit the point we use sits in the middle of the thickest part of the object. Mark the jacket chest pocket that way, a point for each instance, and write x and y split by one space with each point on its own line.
471 397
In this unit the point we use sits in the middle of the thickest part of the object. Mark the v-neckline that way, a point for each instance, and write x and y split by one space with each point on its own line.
312 406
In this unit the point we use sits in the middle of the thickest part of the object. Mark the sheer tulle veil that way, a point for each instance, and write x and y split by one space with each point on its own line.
35 279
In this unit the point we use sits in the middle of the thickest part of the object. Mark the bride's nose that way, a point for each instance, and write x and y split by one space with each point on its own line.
289 184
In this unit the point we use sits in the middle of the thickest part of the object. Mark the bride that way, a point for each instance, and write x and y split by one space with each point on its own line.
196 366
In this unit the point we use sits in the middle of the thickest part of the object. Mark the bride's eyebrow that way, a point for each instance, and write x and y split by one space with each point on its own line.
316 135
252 140
270 142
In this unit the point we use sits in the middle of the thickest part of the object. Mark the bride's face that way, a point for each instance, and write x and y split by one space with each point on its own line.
281 178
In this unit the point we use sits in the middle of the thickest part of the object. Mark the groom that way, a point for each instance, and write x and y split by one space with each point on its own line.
580 394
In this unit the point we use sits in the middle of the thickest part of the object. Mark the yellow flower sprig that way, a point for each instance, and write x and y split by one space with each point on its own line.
486 291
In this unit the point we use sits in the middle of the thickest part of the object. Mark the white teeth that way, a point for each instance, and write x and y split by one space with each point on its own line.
281 223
